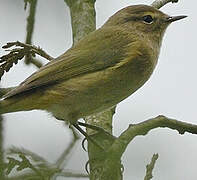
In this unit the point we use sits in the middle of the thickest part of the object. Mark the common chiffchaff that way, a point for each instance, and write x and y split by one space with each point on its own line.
99 71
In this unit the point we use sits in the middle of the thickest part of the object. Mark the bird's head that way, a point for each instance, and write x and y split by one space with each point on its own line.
142 19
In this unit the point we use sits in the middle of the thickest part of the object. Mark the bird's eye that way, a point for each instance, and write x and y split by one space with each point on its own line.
148 19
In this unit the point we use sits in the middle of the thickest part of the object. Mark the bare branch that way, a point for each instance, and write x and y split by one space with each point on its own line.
143 128
82 17
30 26
150 167
1 149
160 3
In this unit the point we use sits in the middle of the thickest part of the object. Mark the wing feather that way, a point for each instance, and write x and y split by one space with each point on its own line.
97 51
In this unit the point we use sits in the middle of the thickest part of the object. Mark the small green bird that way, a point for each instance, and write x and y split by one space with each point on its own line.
99 71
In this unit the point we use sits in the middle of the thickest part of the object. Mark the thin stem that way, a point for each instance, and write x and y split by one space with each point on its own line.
30 25
1 149
150 167
160 3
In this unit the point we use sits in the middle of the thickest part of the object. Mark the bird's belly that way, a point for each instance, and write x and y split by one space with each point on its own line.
98 91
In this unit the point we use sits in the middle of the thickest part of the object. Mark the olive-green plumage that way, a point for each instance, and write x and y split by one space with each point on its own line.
98 72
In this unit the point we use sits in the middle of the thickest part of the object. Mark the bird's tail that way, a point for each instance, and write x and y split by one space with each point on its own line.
7 106
27 101
1 107
15 104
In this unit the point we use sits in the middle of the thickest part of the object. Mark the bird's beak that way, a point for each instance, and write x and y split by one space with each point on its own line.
174 18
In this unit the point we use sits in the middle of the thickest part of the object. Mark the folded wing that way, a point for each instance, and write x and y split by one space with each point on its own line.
97 51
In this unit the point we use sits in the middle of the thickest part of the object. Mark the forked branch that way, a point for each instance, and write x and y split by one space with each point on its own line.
120 144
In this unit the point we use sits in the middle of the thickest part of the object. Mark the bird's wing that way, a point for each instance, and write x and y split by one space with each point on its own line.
99 50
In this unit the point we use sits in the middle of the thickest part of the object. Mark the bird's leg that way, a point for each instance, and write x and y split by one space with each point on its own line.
96 128
87 136
76 125
93 127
